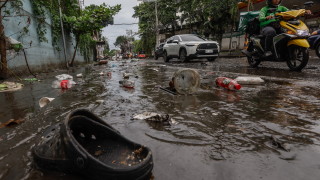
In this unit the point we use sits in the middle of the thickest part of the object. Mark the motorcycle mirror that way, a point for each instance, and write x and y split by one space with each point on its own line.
308 4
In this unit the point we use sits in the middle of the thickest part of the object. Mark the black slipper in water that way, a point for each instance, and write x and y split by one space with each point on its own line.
100 152
85 144
49 153
88 114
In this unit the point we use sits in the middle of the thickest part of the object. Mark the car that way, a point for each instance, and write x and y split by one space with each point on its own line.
142 55
190 46
159 51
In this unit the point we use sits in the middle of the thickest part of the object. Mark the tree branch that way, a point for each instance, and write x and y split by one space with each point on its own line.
5 2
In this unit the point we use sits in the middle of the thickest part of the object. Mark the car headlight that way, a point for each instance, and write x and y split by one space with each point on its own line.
303 32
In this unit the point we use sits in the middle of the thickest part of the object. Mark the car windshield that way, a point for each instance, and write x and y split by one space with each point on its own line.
191 38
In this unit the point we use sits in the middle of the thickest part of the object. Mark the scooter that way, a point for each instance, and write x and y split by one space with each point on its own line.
314 42
291 46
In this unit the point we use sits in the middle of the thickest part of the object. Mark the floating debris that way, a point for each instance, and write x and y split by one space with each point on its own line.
11 123
155 117
10 86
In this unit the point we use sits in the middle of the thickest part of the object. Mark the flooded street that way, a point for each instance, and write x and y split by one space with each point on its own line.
269 131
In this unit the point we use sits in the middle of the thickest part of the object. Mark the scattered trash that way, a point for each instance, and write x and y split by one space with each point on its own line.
10 86
227 83
109 74
150 116
99 101
113 65
276 143
127 83
64 77
127 75
62 84
31 79
169 90
154 69
44 101
101 73
247 80
103 62
186 81
79 75
11 123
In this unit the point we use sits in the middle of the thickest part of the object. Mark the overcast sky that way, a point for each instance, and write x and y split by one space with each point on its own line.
124 16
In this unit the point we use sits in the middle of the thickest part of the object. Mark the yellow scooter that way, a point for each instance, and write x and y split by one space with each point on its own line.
290 46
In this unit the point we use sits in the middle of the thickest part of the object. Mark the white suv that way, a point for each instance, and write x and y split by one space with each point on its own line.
190 46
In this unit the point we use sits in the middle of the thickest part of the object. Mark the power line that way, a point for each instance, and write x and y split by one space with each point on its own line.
125 24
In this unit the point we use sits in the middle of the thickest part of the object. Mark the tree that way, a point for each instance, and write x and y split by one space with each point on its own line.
93 18
15 4
123 42
167 10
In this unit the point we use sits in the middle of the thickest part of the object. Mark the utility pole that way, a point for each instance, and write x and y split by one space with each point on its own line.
63 37
157 24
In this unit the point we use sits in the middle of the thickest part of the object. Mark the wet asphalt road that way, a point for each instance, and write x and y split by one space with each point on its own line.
219 134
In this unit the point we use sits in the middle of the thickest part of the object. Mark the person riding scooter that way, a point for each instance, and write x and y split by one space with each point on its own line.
268 23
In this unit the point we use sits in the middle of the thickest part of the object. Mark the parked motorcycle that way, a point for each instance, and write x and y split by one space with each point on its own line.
291 46
314 42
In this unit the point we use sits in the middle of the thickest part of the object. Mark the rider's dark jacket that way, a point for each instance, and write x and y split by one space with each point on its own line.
264 12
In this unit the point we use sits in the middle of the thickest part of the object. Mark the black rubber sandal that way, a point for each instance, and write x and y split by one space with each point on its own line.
99 152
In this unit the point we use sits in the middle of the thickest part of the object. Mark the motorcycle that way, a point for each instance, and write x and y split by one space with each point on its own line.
290 46
314 42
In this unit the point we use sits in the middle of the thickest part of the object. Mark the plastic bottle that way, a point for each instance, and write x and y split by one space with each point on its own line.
63 84
128 84
227 83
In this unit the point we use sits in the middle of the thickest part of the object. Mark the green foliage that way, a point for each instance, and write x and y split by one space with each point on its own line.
85 44
109 53
44 8
123 42
210 17
93 18
137 46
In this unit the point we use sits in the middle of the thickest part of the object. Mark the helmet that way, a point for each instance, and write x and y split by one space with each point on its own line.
269 2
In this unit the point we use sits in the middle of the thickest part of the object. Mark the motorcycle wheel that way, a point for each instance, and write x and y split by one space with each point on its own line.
253 61
318 50
298 58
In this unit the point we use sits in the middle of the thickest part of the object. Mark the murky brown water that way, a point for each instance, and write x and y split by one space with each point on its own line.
219 135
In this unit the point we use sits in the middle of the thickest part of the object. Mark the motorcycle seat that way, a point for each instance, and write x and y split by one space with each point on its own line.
259 36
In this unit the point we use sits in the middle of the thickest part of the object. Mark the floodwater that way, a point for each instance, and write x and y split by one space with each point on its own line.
269 131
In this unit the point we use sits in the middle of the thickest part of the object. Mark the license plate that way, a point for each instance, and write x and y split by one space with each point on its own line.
209 51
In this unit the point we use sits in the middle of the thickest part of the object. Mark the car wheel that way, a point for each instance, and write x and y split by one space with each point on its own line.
165 57
183 55
156 57
212 59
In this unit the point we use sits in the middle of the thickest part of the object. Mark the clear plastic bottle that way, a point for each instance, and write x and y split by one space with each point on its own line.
227 83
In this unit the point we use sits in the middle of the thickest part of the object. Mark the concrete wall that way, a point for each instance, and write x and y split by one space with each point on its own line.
40 55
